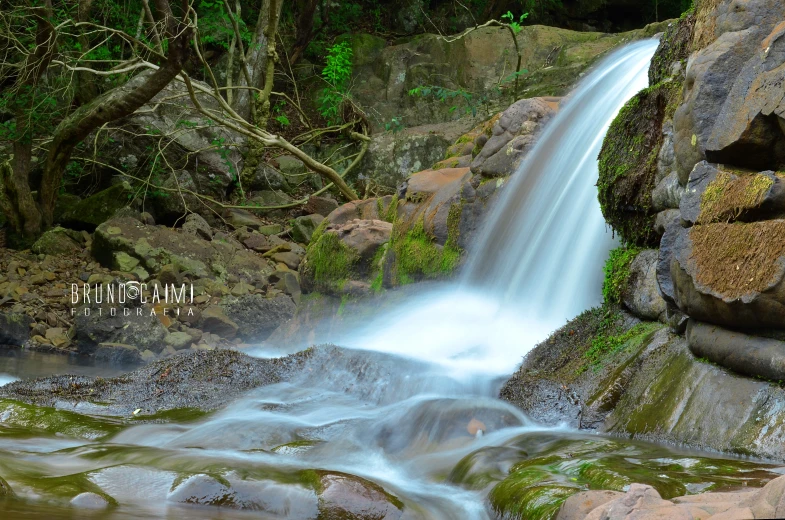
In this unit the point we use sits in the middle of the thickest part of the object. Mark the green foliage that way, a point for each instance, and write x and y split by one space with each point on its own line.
337 73
514 24
617 272
215 24
395 125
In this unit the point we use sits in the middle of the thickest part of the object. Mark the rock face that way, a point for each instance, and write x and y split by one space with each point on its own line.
646 384
97 208
384 75
642 294
731 113
257 316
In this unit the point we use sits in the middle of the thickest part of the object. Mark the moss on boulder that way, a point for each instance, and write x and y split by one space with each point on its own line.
628 163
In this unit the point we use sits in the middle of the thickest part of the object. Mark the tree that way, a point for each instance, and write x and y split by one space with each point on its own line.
28 216
50 52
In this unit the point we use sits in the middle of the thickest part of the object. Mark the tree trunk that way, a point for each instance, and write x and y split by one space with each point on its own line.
306 10
256 57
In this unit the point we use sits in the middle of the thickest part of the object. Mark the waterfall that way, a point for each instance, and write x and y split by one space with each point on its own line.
539 260
545 242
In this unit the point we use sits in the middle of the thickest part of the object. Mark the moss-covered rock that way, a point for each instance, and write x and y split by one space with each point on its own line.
98 208
674 49
628 163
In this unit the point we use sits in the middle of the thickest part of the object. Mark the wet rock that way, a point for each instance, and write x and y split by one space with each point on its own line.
513 135
303 227
203 490
346 496
117 354
641 294
255 316
58 241
14 328
89 500
202 380
5 489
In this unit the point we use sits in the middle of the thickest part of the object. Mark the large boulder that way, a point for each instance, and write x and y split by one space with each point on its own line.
173 138
513 135
98 208
628 163
58 241
344 258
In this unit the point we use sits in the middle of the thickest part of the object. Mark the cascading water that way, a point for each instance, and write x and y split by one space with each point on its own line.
540 260
416 392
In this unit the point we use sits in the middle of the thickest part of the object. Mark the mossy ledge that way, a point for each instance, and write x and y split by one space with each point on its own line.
628 163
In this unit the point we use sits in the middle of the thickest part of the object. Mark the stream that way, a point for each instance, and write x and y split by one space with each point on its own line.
409 403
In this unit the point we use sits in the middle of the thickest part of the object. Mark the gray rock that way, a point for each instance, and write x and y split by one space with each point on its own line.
266 177
667 194
303 227
128 324
664 218
196 225
642 295
116 354
513 135
14 328
256 316
215 321
753 356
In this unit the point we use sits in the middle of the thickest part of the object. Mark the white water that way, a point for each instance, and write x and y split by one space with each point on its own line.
540 260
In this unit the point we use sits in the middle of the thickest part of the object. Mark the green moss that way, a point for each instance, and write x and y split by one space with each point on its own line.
329 261
417 256
628 163
728 196
608 343
617 272
674 47
56 422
